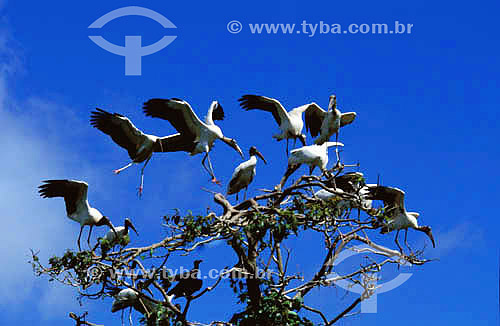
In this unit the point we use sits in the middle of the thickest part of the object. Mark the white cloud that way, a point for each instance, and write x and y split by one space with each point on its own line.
33 150
463 235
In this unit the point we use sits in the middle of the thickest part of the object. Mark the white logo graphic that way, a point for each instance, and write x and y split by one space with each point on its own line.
133 51
368 305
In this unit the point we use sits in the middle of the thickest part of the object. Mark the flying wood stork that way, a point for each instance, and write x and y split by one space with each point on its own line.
140 146
312 155
244 173
121 231
77 205
350 183
189 282
327 123
398 217
195 135
290 123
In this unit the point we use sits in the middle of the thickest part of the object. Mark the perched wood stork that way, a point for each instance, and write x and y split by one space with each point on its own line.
398 217
78 209
327 123
312 155
140 146
130 298
121 231
351 183
290 123
188 283
244 173
195 136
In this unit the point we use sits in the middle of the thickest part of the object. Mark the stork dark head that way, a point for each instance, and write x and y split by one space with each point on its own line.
128 224
106 221
253 151
333 102
197 263
427 230
231 142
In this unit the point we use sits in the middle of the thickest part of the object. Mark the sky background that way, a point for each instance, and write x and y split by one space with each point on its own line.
427 123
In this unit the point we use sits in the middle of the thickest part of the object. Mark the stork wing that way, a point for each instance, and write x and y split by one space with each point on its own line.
314 118
389 195
175 143
345 181
234 180
176 111
347 118
73 191
216 112
120 128
256 102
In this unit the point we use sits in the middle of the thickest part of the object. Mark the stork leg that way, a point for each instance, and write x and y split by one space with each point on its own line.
237 196
337 146
397 242
79 236
287 147
290 169
406 242
141 187
117 171
246 188
211 170
88 239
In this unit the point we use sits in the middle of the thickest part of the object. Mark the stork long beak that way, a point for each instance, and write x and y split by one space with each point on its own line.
259 154
233 144
132 227
107 221
302 139
427 230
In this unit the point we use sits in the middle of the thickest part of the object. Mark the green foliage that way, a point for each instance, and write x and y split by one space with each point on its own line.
79 263
275 310
159 316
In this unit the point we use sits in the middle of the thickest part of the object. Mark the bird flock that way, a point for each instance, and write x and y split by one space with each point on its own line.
196 136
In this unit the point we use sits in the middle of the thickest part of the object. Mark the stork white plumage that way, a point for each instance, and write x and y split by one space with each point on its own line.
195 135
140 146
290 123
121 231
244 173
397 216
78 209
350 183
327 123
312 155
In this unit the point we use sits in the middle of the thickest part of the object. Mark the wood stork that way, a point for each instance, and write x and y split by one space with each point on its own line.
195 136
312 155
121 231
327 123
351 183
78 209
244 173
140 146
130 298
290 123
188 283
398 217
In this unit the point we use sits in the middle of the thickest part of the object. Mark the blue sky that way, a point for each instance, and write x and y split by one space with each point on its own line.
427 123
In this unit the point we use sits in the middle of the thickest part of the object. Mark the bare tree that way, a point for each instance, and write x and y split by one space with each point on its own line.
257 230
